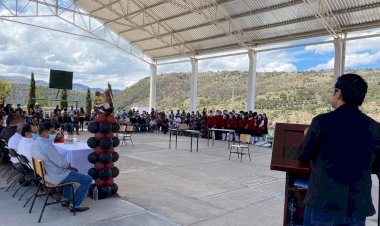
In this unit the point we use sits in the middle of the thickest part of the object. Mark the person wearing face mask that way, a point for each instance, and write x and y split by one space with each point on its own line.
58 170
29 133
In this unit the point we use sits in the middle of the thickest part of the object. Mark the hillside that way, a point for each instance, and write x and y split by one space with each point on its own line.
294 97
20 95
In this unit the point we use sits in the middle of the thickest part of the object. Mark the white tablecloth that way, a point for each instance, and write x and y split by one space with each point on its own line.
76 155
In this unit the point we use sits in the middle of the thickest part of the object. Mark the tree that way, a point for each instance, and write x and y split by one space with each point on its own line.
5 90
110 88
32 91
64 99
88 102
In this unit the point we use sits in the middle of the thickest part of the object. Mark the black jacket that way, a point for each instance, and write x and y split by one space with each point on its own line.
342 145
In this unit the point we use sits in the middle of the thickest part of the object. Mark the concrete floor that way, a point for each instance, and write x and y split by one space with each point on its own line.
158 186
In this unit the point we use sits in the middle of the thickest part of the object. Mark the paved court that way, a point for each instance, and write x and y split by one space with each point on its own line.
158 186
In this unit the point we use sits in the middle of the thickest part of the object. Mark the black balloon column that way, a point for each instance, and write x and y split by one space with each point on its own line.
104 154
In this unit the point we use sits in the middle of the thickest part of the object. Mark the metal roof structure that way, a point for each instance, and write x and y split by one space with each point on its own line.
164 29
158 30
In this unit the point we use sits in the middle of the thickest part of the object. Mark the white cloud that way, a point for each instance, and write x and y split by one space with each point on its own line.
326 66
25 49
359 52
366 58
321 49
232 63
278 67
352 60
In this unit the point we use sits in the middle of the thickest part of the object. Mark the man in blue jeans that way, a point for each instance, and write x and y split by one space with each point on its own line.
343 147
58 170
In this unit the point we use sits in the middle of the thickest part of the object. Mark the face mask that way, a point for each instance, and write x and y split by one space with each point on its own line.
52 137
34 136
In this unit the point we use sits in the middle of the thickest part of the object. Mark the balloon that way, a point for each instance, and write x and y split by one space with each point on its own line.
106 143
93 173
111 150
105 174
104 192
111 119
115 127
99 182
115 172
108 182
115 157
108 135
105 157
93 158
99 166
114 188
98 150
109 165
105 127
100 118
116 141
99 136
92 142
92 127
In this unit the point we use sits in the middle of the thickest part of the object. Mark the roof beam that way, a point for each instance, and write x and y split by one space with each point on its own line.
308 18
105 6
250 13
324 14
176 40
219 2
135 13
217 13
288 38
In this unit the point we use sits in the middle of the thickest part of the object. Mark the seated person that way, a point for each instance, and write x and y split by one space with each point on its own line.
14 141
68 125
29 134
75 122
58 170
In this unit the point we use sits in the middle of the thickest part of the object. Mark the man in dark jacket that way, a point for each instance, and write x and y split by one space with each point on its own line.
342 146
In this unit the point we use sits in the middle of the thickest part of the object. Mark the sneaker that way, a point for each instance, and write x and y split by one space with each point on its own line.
79 209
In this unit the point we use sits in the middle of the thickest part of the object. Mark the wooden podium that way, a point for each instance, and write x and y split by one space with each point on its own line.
287 140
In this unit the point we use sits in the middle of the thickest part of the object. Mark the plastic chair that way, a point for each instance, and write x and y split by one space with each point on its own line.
40 172
16 167
28 175
243 144
125 134
128 134
4 157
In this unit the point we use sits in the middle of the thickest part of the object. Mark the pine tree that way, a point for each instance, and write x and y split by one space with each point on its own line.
110 89
64 99
32 91
88 102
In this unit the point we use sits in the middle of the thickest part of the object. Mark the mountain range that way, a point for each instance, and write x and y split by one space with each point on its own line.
76 86
285 97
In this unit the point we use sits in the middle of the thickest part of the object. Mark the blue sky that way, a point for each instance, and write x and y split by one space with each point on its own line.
25 49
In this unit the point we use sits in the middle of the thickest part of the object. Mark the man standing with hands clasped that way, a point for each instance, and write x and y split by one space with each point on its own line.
342 146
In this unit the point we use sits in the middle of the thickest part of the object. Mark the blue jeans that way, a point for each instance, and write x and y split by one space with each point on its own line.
314 217
81 192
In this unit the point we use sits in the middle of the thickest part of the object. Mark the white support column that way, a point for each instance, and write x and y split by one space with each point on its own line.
153 83
193 84
340 55
251 95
